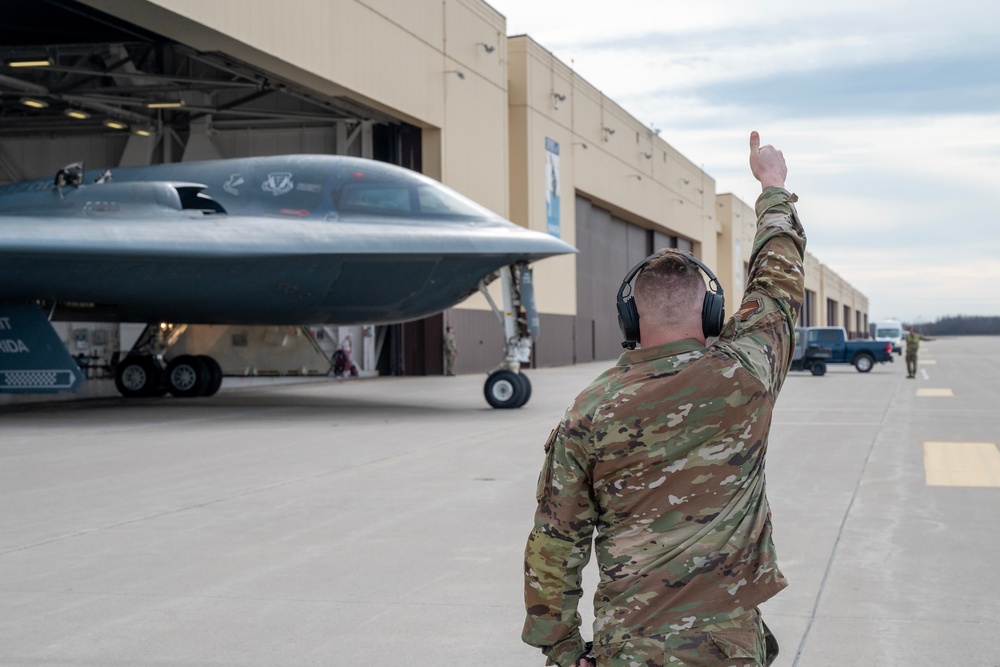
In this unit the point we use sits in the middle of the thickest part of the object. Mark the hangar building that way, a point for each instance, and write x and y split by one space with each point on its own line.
433 85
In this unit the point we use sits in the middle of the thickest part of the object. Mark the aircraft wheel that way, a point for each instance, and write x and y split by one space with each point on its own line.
187 376
214 375
504 389
526 386
818 367
137 376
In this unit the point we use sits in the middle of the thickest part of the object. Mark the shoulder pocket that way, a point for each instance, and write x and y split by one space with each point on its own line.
545 476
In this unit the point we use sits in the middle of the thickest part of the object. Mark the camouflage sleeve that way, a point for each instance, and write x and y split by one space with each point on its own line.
761 333
559 547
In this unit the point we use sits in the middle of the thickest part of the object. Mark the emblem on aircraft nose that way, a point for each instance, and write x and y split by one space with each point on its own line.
233 184
278 183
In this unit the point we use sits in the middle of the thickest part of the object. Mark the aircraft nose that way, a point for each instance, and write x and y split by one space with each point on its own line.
541 245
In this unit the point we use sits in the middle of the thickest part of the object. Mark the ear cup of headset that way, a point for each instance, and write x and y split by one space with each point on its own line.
713 313
628 321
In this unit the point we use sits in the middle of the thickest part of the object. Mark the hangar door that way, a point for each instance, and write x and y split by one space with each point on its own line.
609 247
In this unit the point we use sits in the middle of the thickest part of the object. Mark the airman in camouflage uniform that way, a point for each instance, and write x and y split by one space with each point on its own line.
912 348
663 455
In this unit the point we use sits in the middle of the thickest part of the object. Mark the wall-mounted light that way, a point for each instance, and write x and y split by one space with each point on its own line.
165 104
79 114
608 131
488 48
648 156
29 62
114 124
654 130
581 144
34 103
459 73
556 99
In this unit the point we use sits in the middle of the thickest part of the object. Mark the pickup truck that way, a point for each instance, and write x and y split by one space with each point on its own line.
815 347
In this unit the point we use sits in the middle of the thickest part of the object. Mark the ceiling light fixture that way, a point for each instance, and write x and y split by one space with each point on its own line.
34 62
114 124
79 114
142 132
165 104
34 103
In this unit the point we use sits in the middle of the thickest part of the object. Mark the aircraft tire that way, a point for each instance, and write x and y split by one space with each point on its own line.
214 375
818 368
137 376
187 376
526 387
504 390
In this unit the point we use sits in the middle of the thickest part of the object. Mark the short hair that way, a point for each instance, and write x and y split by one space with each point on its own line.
670 290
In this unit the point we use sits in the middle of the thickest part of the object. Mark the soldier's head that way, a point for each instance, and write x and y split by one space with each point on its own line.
669 294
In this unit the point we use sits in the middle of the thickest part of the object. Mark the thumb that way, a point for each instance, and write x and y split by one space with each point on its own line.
754 142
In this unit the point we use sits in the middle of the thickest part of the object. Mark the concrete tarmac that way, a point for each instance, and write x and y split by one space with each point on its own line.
382 522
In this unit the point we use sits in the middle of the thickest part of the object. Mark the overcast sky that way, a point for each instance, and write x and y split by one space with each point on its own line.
888 113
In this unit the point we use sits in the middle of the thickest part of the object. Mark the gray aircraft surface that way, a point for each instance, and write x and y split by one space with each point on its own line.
301 239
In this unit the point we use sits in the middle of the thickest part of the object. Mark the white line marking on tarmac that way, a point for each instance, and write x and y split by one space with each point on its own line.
923 373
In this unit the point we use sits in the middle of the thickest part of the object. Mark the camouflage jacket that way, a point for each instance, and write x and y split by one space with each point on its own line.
663 455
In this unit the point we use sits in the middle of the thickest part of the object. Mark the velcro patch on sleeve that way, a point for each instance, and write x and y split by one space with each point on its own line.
748 310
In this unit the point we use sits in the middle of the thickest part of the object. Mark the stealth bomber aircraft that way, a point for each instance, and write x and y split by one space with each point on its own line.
302 239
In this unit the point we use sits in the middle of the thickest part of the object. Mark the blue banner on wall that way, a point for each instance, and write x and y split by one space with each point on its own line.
552 187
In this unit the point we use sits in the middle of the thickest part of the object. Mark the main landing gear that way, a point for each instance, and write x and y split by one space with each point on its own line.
143 372
507 386
186 376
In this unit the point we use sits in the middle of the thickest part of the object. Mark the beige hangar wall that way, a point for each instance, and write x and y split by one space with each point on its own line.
606 155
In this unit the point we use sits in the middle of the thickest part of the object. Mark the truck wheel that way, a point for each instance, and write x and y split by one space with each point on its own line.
864 363
818 368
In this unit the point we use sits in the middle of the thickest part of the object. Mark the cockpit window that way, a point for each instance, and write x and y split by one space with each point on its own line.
376 200
411 200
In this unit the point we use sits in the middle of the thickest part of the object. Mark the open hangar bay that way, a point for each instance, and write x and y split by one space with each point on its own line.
382 521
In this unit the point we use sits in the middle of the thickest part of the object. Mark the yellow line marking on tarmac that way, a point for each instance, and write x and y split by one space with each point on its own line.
961 464
934 392
929 362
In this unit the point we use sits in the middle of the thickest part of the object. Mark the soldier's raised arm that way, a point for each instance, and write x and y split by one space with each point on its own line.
760 333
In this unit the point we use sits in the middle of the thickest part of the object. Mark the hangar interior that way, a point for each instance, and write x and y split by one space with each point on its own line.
431 86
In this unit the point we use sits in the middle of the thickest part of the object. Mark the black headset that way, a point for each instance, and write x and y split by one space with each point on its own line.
713 310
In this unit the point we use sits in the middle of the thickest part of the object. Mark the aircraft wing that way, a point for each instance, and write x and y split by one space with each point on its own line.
164 251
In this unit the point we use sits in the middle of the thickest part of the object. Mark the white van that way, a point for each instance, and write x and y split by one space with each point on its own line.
890 331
